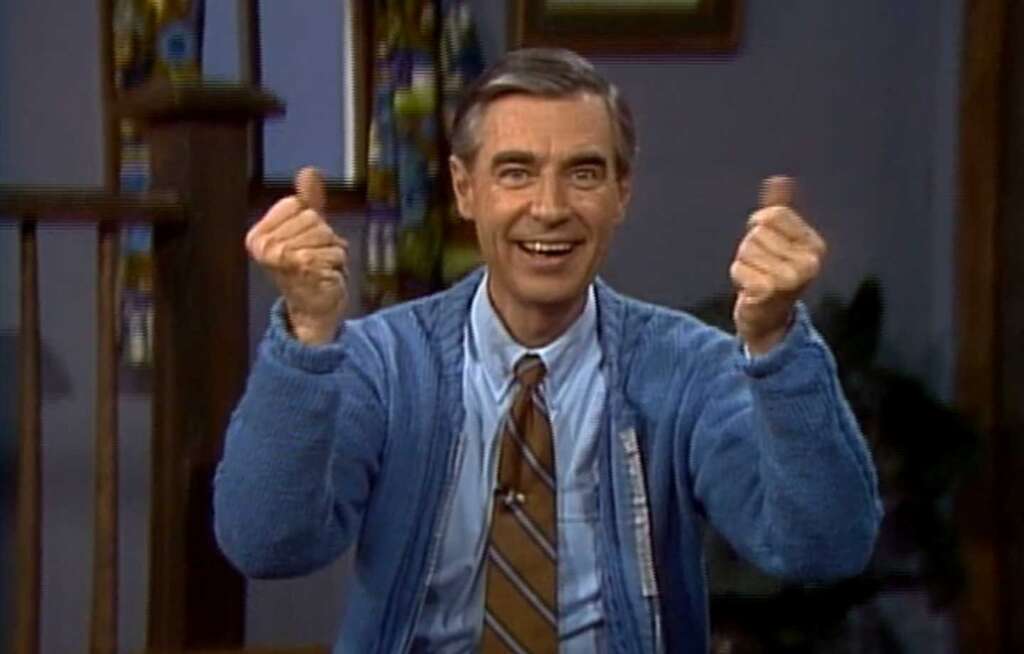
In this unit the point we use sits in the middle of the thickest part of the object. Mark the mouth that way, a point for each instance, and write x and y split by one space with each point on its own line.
548 249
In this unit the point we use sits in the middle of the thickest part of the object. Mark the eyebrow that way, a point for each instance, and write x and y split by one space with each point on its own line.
588 159
512 156
524 157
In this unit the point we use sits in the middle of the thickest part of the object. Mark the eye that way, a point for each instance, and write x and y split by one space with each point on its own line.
587 176
513 176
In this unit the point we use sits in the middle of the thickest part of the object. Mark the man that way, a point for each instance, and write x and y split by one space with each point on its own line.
523 463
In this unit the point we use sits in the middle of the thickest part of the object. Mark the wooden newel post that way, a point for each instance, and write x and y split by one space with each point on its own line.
198 137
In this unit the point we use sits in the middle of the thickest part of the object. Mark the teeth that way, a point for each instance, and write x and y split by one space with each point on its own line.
542 247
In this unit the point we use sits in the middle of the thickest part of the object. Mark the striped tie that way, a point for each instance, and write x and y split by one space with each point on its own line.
521 610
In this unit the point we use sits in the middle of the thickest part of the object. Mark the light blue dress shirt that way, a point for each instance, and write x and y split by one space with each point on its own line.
452 618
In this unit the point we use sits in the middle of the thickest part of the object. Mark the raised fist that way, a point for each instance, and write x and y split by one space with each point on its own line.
305 258
778 257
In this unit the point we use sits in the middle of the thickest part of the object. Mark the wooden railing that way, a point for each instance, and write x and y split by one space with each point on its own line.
107 212
199 162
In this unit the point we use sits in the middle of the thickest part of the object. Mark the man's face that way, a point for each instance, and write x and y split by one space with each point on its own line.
544 195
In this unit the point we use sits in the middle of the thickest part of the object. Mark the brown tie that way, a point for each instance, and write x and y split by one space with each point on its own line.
521 609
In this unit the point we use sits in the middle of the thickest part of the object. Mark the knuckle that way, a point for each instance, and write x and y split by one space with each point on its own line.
292 262
313 217
249 236
774 215
325 234
789 278
306 260
745 250
277 247
261 245
277 258
736 270
812 267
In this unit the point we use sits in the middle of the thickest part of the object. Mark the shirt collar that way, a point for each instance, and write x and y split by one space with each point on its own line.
498 352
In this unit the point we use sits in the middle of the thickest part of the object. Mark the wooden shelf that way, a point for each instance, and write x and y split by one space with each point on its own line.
161 101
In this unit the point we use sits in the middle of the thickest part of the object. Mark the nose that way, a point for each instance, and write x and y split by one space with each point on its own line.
550 203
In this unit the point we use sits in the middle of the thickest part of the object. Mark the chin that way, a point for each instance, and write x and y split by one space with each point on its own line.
550 292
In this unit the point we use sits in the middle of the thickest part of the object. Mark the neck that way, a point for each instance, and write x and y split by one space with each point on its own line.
535 325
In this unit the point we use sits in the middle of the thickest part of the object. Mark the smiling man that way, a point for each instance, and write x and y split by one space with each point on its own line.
525 462
540 181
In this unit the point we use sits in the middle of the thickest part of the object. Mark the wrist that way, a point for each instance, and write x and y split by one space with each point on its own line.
763 344
311 331
765 341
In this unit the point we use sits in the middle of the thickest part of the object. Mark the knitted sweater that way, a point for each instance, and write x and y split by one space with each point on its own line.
353 444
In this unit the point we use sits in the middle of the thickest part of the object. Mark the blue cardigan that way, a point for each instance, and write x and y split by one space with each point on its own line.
354 442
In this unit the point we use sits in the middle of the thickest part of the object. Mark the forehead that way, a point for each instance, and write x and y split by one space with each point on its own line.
528 122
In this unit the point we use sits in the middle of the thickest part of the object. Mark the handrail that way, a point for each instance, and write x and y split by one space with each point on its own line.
62 204
106 210
30 206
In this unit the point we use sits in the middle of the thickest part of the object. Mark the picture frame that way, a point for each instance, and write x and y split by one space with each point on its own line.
627 26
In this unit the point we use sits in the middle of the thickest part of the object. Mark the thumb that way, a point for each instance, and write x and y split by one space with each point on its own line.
309 186
777 191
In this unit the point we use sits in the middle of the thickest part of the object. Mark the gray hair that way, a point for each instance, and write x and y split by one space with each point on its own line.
549 73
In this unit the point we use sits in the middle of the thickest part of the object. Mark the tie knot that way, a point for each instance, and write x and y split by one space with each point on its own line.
530 370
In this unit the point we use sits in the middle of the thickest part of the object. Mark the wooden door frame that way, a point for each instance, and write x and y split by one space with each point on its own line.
989 379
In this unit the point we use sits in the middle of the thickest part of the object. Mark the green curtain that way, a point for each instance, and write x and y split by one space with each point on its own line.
152 39
425 52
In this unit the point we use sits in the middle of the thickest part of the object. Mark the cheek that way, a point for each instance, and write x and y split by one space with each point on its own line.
500 212
603 214
490 236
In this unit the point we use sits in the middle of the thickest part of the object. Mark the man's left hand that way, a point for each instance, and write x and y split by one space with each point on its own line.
779 256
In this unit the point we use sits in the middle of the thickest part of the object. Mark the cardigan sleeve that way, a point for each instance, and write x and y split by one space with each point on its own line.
301 452
778 461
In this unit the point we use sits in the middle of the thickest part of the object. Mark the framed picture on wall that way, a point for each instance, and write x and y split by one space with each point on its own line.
625 26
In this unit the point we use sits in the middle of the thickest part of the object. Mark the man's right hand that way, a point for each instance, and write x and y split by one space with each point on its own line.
306 259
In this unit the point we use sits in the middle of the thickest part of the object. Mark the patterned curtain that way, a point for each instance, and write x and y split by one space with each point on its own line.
152 39
425 52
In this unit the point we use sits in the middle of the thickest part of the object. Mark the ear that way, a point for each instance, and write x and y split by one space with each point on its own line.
625 183
462 185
